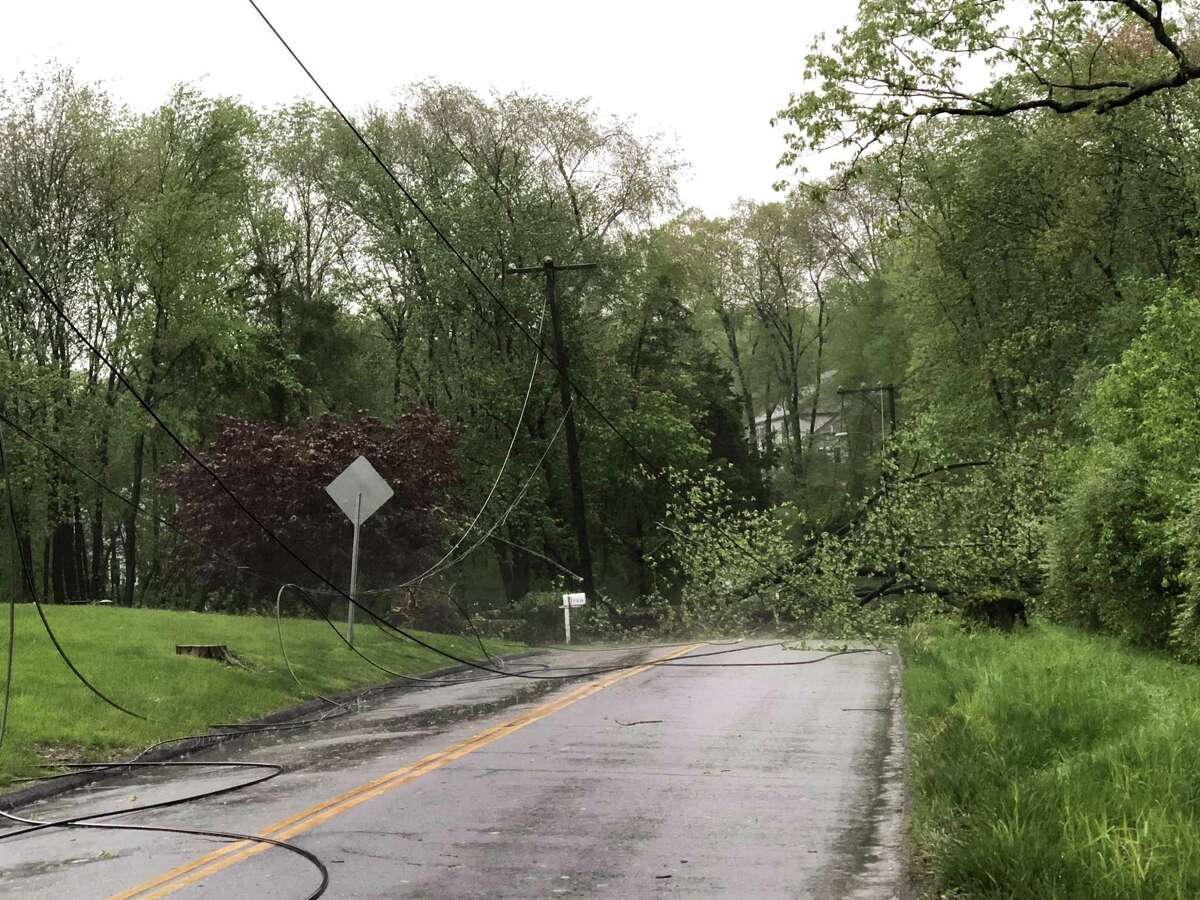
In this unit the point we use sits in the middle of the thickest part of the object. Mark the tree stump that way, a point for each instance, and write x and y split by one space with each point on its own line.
219 652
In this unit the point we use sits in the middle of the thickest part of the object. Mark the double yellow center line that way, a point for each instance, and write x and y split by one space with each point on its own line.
210 864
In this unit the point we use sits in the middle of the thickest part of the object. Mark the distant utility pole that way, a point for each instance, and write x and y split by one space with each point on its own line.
889 410
550 270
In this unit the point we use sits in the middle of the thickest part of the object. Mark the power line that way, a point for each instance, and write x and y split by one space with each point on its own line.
574 471
499 474
654 470
88 821
31 586
533 473
535 553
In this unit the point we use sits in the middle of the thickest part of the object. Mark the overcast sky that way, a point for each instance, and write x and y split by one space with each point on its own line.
708 76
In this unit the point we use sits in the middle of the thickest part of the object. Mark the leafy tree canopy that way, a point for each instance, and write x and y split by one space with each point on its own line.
906 61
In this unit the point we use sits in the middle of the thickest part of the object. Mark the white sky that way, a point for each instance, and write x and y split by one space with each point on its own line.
707 75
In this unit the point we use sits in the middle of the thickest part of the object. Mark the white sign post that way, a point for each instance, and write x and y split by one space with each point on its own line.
359 491
570 601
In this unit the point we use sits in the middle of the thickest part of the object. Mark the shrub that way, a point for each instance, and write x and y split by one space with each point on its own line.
1108 564
1184 639
281 473
1119 556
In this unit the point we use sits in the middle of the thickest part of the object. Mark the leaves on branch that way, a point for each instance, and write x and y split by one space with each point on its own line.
908 61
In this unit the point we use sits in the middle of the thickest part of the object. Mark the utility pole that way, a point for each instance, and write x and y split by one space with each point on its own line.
579 513
888 410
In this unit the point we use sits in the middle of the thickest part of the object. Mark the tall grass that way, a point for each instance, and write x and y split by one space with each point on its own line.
1051 764
130 655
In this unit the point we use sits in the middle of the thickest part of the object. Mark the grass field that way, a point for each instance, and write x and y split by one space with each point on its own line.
130 655
1051 764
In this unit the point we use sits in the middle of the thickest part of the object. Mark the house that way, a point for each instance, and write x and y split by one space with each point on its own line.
770 429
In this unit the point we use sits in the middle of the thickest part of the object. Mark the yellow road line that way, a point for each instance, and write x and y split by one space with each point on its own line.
212 863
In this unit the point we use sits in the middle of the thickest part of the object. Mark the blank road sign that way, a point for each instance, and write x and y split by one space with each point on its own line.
357 478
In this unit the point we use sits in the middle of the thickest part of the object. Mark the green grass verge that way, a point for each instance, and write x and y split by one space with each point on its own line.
1051 764
130 655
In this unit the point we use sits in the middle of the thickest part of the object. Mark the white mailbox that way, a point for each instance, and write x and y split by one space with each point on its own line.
571 601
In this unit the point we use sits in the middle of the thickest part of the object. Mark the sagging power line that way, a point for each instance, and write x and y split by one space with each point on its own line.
652 468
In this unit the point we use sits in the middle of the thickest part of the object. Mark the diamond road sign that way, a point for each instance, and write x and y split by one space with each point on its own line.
359 477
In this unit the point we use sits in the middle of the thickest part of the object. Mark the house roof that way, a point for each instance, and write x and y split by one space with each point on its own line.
824 420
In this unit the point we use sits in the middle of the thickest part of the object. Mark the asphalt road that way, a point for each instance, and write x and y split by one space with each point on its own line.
679 781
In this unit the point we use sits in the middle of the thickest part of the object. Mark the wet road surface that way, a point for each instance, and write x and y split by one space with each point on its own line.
671 781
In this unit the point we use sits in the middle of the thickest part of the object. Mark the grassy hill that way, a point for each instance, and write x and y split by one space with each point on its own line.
130 655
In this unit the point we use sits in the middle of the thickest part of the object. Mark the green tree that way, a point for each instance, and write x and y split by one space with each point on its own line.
191 200
905 62
1120 539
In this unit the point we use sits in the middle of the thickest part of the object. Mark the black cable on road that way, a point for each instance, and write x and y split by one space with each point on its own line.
627 647
683 664
88 821
272 771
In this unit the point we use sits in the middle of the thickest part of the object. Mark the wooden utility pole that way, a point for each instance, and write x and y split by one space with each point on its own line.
887 408
578 510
